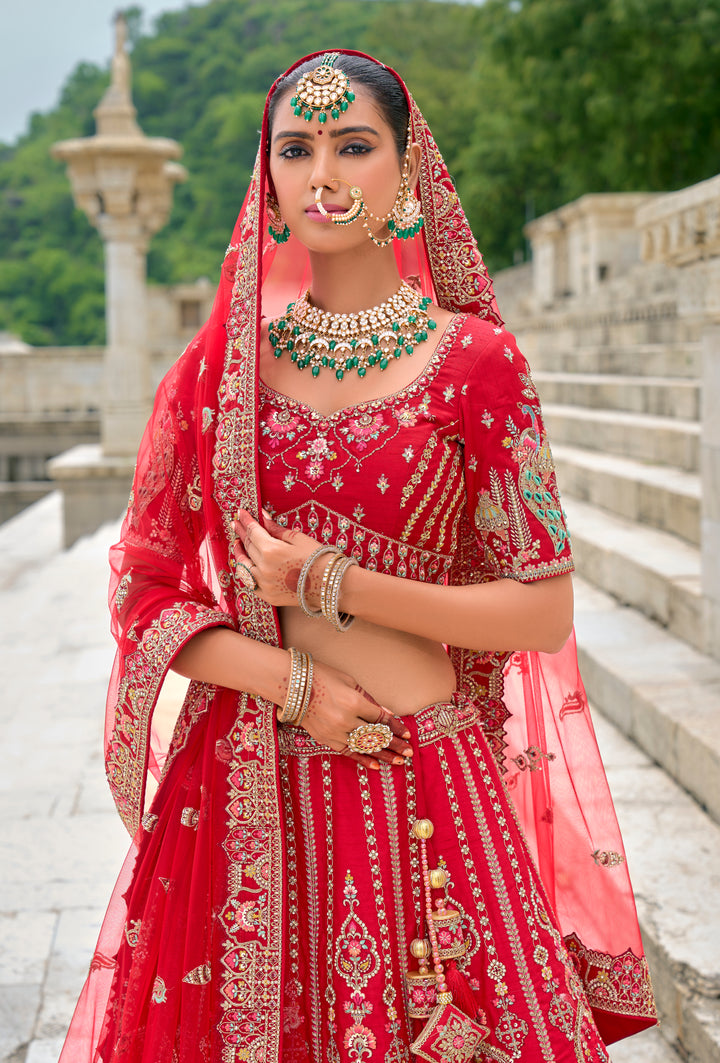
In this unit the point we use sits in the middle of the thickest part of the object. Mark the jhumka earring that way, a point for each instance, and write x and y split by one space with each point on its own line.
276 227
323 89
406 217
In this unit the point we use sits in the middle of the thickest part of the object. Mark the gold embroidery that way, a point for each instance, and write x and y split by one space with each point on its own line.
189 818
199 975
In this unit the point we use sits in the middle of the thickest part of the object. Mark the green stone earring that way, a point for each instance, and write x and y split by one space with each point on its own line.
277 227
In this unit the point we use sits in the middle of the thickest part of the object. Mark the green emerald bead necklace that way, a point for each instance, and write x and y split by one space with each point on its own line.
343 343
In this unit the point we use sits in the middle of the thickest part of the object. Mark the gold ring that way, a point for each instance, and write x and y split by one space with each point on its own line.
246 577
369 738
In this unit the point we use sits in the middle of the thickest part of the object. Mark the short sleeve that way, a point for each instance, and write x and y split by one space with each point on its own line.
512 496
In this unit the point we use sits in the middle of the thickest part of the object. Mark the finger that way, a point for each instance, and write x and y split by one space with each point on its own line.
241 557
272 527
396 724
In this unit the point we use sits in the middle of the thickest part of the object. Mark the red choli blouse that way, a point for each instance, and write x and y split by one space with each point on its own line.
388 481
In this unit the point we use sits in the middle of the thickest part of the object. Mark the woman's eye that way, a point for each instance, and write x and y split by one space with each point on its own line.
356 149
292 151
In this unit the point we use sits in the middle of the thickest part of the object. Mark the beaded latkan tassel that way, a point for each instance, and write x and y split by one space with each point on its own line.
449 1035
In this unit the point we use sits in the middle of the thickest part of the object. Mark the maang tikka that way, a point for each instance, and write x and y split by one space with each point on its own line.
323 89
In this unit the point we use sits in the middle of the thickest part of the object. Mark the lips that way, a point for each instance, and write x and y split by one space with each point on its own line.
330 207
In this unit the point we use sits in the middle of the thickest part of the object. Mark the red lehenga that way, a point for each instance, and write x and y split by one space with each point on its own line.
272 888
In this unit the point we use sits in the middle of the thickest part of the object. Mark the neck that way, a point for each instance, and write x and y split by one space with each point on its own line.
355 280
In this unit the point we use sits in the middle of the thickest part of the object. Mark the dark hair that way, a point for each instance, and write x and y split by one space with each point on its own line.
383 86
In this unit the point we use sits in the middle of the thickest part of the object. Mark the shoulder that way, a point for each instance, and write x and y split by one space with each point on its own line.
489 362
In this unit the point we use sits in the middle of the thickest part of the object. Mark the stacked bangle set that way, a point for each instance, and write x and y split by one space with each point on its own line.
299 688
329 589
301 663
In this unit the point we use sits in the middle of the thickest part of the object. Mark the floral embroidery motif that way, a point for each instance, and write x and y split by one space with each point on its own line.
532 759
408 454
159 991
194 493
356 960
360 430
608 858
280 425
487 419
122 591
383 484
208 416
132 932
318 452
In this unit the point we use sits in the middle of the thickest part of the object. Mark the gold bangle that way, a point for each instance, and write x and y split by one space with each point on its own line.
305 572
299 687
330 593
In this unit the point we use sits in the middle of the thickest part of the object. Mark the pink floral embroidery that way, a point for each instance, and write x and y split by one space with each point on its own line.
383 483
406 416
360 430
318 451
279 425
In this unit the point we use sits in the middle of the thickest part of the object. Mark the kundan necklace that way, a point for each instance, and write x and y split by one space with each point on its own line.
343 342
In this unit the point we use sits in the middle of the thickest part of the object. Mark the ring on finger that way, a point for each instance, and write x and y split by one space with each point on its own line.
246 577
369 738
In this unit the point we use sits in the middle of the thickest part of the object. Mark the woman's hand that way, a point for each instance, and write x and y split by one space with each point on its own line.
338 705
274 557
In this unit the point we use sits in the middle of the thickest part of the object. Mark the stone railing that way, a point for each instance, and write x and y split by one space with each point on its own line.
681 227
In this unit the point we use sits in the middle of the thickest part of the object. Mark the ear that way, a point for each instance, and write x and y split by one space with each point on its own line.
414 165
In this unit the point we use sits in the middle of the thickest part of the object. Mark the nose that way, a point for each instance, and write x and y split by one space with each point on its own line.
321 175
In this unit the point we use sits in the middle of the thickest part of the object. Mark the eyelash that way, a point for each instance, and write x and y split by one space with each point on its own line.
357 149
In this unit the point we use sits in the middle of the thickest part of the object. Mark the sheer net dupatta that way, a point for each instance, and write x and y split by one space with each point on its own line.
557 782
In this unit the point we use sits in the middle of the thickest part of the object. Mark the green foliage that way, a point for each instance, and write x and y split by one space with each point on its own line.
533 103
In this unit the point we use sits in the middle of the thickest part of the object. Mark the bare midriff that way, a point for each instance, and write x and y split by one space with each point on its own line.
402 672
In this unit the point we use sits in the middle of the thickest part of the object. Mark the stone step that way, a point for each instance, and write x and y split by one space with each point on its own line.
663 694
655 495
673 851
659 396
651 359
654 572
660 440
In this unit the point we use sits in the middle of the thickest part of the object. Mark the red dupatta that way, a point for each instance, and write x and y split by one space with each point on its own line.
173 576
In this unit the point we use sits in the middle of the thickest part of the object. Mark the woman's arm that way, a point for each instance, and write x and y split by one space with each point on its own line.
337 706
224 658
502 615
505 614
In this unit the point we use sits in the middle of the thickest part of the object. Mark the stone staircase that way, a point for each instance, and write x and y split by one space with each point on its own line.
623 413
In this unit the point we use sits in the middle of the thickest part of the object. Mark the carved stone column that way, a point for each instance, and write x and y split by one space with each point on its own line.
124 182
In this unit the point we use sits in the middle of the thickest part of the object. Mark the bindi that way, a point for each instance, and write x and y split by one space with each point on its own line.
319 132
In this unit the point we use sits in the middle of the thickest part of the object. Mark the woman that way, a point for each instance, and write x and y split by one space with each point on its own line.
327 502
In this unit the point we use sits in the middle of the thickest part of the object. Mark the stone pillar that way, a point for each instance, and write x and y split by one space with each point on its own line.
127 389
123 181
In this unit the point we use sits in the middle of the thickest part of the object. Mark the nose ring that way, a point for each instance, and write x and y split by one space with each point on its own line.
349 215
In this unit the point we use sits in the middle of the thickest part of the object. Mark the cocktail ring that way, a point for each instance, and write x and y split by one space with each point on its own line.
246 577
369 738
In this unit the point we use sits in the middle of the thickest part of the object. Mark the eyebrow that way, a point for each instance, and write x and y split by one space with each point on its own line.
348 130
